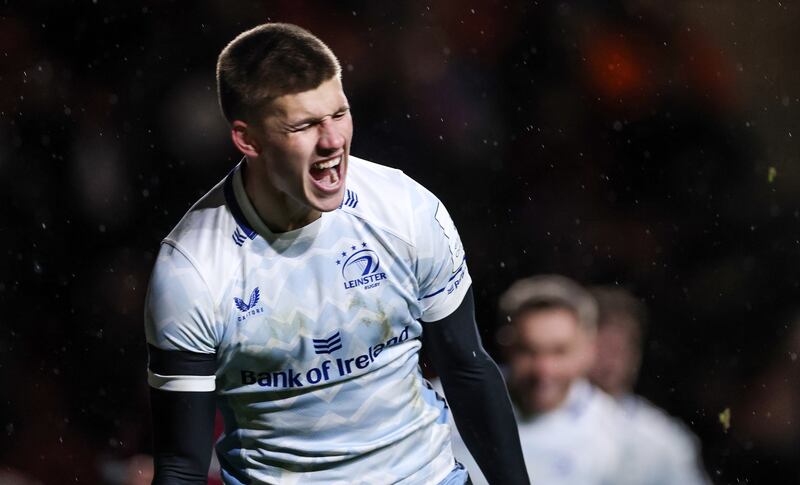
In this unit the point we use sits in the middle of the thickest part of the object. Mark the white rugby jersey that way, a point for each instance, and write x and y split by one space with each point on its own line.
315 331
659 450
573 445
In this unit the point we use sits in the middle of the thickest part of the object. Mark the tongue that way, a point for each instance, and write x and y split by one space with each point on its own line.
327 176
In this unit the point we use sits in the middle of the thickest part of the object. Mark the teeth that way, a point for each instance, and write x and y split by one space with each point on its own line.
328 164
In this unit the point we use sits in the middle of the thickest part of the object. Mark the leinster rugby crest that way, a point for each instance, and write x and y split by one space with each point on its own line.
360 267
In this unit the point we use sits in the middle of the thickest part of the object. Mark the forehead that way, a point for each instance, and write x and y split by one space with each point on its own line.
325 99
548 325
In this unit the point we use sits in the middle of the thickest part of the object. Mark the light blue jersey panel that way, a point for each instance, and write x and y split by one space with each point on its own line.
316 331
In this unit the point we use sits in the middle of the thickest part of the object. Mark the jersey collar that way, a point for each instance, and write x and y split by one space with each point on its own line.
248 219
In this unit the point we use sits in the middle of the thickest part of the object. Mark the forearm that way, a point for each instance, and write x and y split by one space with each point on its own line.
183 408
183 432
477 395
479 402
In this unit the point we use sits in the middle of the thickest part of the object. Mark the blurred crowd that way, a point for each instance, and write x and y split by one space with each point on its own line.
634 144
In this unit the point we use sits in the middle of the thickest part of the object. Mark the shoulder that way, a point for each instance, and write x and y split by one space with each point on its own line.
588 412
601 416
385 197
208 238
656 426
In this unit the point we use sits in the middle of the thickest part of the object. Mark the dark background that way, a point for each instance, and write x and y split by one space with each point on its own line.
646 144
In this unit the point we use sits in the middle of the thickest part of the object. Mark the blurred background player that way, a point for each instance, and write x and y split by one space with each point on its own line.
566 425
658 448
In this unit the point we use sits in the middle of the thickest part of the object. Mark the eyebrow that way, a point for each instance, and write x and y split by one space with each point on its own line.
313 119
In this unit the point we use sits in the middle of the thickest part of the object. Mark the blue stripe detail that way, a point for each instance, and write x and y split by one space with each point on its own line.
327 345
350 199
236 211
238 237
327 350
432 294
319 345
326 340
460 269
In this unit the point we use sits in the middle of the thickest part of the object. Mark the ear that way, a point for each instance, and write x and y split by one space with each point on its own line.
243 140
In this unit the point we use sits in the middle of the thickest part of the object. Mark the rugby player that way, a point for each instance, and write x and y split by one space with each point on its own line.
569 428
659 449
295 297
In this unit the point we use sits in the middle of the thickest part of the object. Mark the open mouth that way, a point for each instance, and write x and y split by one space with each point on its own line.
328 174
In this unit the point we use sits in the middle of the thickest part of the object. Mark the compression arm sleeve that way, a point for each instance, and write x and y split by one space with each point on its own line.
476 393
183 421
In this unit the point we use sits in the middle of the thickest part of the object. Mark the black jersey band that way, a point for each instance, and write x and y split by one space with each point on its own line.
181 362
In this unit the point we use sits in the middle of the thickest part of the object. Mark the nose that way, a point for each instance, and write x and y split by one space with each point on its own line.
331 139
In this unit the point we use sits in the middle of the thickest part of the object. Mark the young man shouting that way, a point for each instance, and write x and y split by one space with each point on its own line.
296 295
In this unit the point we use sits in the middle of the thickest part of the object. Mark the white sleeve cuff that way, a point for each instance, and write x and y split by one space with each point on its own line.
449 298
182 383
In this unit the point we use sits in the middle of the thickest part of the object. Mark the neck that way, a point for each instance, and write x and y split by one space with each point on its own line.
278 211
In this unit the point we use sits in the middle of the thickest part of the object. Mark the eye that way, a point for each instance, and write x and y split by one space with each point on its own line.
300 128
340 114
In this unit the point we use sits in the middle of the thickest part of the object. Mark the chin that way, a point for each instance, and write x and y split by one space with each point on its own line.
328 203
547 400
545 406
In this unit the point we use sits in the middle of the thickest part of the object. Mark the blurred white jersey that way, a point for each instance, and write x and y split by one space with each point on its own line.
315 331
572 445
659 450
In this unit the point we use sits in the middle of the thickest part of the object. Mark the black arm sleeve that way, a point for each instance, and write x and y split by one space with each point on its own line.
183 432
183 422
476 393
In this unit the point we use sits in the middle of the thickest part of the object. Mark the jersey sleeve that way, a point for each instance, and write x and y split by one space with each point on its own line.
441 268
180 325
